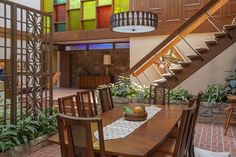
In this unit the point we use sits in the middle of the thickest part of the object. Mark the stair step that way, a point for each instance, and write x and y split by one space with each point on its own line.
229 27
211 42
234 21
167 75
193 57
176 69
184 63
160 81
201 50
220 35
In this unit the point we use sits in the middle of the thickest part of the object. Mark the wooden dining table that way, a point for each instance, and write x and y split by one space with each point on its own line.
142 141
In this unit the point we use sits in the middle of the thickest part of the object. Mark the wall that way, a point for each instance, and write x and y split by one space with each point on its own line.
84 63
213 72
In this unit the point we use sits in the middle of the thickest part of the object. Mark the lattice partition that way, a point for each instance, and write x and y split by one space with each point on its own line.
25 61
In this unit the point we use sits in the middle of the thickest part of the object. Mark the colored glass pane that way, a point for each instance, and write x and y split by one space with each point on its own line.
48 5
122 45
59 1
89 25
76 47
100 46
74 17
104 14
60 13
104 2
61 27
46 24
73 4
89 10
121 6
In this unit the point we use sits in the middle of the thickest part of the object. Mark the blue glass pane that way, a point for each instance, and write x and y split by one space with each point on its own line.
100 46
76 47
122 45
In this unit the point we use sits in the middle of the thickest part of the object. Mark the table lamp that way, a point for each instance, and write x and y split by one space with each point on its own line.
107 62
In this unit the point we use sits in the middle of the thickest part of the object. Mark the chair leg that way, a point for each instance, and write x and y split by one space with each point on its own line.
228 121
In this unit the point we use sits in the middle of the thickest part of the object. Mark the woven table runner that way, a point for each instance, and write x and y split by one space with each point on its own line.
122 128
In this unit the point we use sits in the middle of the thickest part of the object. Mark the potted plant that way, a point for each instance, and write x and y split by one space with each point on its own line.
179 96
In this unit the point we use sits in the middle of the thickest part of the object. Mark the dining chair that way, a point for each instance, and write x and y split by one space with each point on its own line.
106 99
180 146
158 95
87 101
68 105
76 137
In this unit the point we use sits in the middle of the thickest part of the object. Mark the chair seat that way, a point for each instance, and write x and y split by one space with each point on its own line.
168 146
174 133
159 154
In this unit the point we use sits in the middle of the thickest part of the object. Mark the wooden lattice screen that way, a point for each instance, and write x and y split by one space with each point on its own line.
25 61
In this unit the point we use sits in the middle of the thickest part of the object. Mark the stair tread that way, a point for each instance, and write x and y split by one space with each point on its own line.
202 49
220 34
159 81
230 27
211 42
193 57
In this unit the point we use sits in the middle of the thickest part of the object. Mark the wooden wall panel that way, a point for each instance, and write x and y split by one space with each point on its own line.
173 10
231 8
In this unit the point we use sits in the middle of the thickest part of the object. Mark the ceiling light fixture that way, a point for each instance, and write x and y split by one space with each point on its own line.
134 22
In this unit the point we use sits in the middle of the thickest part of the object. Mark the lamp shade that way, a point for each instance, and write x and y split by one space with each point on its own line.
134 22
107 59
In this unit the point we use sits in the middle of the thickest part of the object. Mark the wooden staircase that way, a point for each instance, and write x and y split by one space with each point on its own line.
183 69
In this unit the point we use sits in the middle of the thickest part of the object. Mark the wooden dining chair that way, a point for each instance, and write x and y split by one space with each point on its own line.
106 99
87 101
76 137
158 95
180 146
69 105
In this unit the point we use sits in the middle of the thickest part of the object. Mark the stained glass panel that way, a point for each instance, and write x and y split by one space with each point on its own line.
74 17
48 5
59 1
104 2
61 27
73 4
46 24
121 6
122 45
100 46
89 10
104 14
89 25
60 13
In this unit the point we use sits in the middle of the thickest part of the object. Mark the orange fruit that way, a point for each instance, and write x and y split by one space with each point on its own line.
138 109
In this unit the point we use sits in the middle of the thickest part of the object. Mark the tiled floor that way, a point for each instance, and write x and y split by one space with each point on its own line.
208 136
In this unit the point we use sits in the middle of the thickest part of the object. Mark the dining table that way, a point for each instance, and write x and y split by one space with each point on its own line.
143 140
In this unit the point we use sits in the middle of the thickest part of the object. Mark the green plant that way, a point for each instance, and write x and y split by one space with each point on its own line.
230 85
8 138
214 94
124 87
180 94
143 94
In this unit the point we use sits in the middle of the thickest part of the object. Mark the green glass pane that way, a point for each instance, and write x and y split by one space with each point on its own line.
74 4
89 25
89 10
74 17
48 5
60 27
46 24
59 1
121 6
104 2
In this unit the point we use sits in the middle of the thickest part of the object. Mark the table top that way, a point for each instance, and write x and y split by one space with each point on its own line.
143 140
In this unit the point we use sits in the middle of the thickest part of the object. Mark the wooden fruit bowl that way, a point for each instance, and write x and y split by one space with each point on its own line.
135 116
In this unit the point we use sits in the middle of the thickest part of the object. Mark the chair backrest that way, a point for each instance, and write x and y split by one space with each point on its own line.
87 101
186 121
158 95
76 137
69 105
106 99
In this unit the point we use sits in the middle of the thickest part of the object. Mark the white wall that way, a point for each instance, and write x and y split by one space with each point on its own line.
213 72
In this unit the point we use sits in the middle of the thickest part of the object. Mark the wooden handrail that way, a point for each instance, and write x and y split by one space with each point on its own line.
189 26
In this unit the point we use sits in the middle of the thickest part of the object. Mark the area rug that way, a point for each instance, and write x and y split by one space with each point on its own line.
205 153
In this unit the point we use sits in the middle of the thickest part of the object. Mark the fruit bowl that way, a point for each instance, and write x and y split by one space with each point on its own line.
138 113
135 116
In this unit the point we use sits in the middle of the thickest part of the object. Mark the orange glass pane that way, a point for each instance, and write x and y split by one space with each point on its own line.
104 14
60 11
